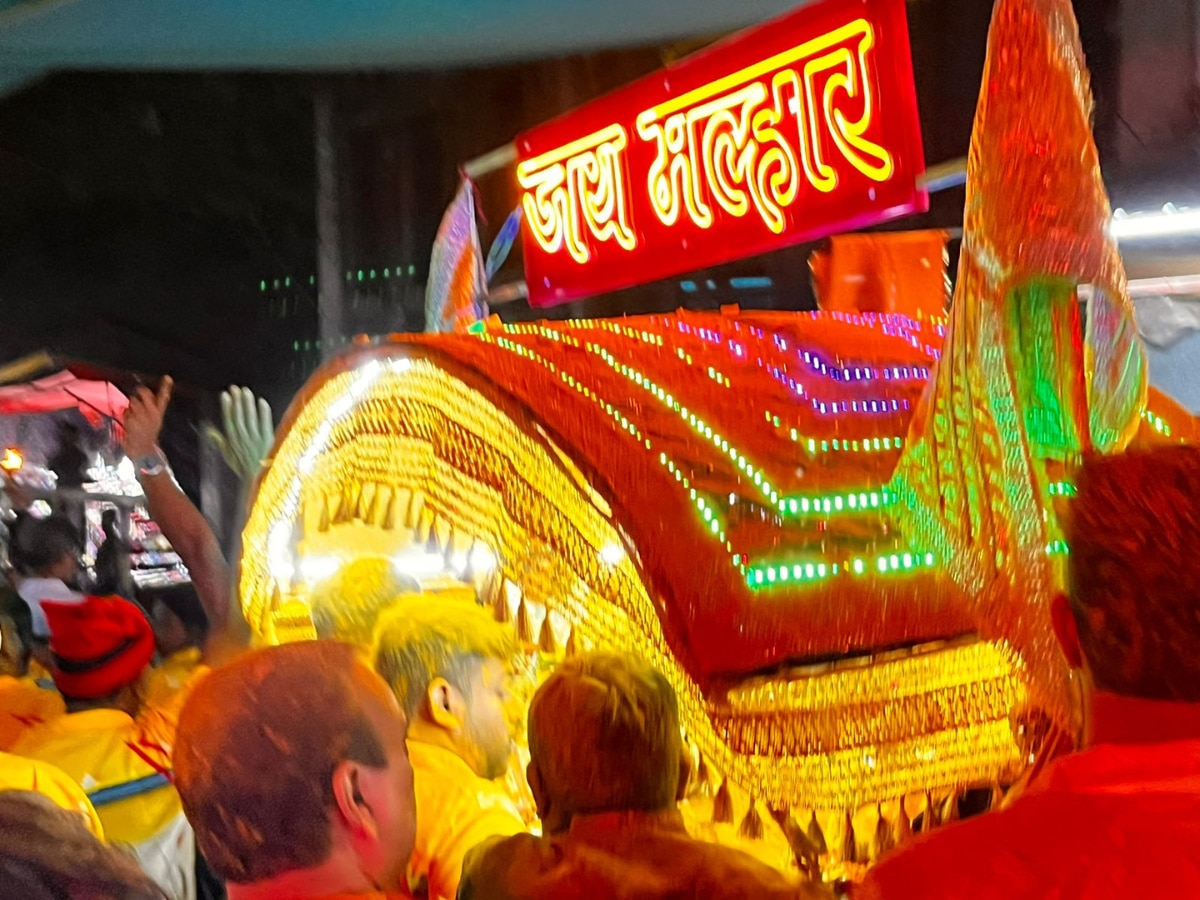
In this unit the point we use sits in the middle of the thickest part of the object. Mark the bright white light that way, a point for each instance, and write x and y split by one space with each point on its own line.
483 560
125 469
612 554
279 553
1144 226
458 561
419 563
315 569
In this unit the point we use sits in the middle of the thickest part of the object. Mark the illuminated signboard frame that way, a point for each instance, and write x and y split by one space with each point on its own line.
791 131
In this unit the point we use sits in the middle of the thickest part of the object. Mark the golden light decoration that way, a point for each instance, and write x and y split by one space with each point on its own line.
410 442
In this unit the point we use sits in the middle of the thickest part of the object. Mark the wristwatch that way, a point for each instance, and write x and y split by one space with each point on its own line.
151 464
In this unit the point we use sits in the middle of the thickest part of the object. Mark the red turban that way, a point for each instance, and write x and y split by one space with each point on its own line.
99 646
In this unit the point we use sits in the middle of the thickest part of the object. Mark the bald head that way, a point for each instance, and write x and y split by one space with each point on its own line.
604 736
1134 532
258 745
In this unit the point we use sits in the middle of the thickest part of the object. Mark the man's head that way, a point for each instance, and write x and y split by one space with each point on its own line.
447 662
292 759
49 548
49 853
16 633
1132 620
100 649
347 606
176 615
604 737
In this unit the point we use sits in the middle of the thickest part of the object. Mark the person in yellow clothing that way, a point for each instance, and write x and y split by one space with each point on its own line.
23 701
447 661
118 751
20 774
180 629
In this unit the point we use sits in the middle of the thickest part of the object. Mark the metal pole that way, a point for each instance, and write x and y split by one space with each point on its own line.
330 278
491 161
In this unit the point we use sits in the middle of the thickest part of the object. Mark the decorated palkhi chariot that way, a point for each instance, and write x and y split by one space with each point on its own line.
836 532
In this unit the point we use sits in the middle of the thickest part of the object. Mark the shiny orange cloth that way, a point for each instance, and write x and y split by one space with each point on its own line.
1020 393
626 854
1113 821
900 272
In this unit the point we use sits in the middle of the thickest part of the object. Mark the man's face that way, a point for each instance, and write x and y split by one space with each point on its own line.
487 721
389 791
67 569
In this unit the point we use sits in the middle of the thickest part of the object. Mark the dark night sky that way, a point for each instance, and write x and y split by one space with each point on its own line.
139 214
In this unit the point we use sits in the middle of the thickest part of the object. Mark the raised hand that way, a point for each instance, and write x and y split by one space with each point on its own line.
144 418
249 431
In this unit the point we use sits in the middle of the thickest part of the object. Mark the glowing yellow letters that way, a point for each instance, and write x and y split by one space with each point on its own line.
722 141
745 142
576 187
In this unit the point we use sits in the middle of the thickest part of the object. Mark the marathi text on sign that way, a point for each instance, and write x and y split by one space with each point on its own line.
742 162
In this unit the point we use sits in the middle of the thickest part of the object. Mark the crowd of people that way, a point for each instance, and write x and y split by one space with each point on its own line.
147 752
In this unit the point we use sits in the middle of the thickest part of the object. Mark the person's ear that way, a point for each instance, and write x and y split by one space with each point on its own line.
1066 630
445 704
355 811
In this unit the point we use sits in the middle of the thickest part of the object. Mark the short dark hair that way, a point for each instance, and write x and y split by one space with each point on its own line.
183 601
48 853
1134 534
604 734
17 611
255 753
43 542
430 637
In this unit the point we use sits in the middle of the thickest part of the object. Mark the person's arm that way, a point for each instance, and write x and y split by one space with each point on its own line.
182 524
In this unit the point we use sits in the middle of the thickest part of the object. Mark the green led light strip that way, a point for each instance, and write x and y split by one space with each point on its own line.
1062 489
762 576
702 428
706 510
1157 423
778 574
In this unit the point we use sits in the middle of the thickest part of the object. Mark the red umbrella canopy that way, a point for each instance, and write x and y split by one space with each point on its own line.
96 400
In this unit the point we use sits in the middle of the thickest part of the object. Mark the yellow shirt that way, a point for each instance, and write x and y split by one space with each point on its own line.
456 809
24 704
20 774
170 676
124 765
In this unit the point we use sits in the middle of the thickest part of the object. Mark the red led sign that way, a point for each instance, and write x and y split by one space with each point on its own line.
791 131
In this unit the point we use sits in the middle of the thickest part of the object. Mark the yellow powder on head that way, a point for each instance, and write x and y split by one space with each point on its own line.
420 638
347 606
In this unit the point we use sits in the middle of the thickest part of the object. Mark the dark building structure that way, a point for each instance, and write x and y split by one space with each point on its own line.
168 221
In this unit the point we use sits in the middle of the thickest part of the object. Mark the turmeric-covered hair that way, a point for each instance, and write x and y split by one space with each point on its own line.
427 637
347 606
1134 534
